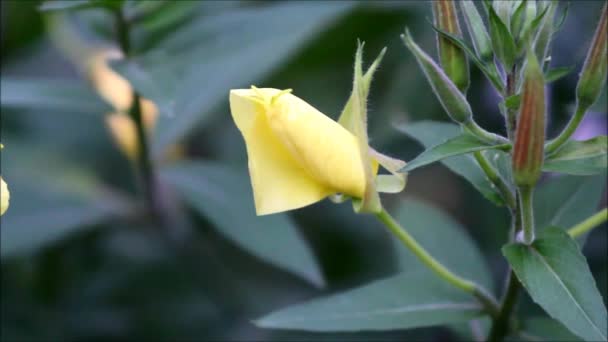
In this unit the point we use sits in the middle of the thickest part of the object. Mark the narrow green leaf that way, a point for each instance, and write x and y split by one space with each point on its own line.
502 41
513 101
410 300
488 68
224 196
431 133
555 74
461 144
582 158
47 94
477 30
557 277
63 5
518 17
566 200
444 238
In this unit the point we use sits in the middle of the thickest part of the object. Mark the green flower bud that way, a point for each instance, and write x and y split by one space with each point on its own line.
543 39
593 74
452 58
452 100
528 152
504 9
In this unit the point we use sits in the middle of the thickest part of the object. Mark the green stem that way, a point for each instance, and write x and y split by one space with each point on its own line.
501 325
495 178
527 213
434 265
472 127
144 161
572 125
511 114
590 223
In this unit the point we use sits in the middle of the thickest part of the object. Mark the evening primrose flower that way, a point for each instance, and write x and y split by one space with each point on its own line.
118 92
298 155
4 194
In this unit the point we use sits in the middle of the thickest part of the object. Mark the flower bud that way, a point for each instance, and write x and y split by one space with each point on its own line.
593 74
452 58
528 152
452 100
543 39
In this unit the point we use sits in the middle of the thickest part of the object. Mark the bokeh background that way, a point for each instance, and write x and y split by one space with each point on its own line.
68 275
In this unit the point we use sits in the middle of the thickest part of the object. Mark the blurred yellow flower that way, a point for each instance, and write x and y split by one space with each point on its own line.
297 155
118 92
4 196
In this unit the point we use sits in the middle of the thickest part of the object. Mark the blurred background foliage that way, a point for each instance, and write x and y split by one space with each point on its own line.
77 264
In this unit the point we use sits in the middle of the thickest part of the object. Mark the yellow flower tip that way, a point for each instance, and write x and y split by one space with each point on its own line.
297 155
111 86
4 197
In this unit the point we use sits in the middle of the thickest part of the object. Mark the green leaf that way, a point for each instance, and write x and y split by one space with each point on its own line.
546 329
555 74
431 133
63 5
556 275
477 30
47 94
587 157
404 301
461 144
502 41
513 101
223 195
444 238
246 56
565 201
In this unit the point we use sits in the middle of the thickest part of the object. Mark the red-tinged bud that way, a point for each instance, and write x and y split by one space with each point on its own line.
593 74
528 152
452 58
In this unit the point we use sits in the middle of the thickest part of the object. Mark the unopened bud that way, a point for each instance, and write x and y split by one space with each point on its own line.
452 100
528 152
452 58
593 74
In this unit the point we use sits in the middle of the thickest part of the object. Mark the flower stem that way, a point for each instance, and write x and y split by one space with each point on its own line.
144 161
434 265
590 223
491 138
572 125
500 325
495 178
527 213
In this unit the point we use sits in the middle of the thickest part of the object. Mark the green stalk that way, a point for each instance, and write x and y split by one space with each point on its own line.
495 178
593 221
144 161
501 325
472 127
572 125
527 213
434 265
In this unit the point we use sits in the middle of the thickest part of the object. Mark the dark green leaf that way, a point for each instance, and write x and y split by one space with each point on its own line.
502 41
546 329
405 301
589 157
513 101
47 94
431 133
223 195
518 17
556 275
461 144
562 19
477 30
444 238
62 5
555 74
565 201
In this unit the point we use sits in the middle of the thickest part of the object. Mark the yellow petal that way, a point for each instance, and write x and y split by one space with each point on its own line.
110 85
4 196
297 155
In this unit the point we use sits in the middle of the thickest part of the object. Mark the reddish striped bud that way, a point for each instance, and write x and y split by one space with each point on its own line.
452 58
528 152
593 74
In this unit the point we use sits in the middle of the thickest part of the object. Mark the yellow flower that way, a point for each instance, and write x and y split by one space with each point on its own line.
297 155
118 92
4 196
